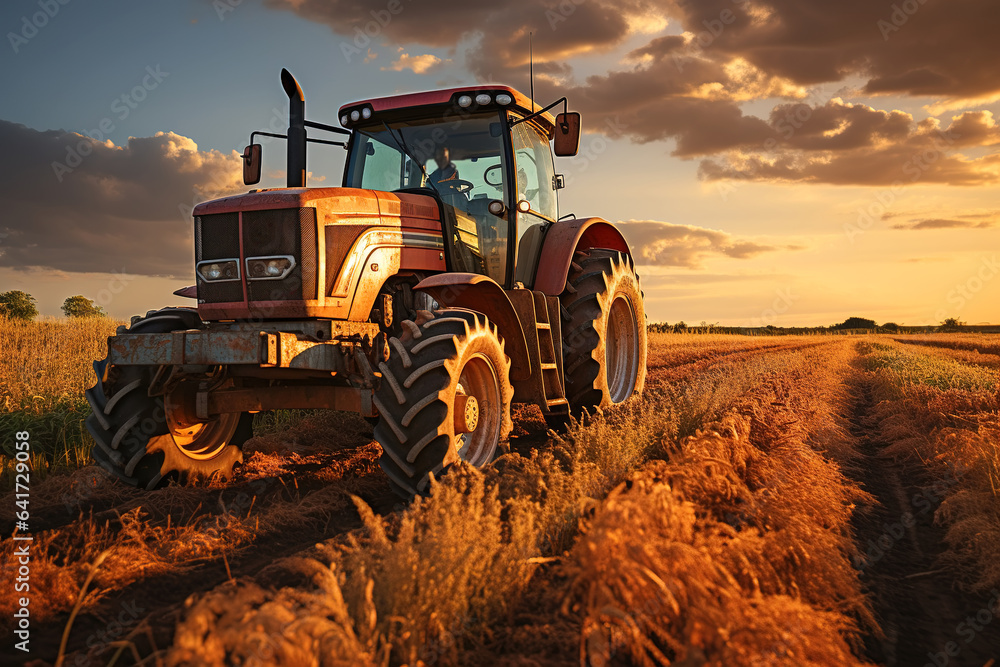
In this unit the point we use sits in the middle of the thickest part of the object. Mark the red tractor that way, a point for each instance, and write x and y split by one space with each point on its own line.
428 300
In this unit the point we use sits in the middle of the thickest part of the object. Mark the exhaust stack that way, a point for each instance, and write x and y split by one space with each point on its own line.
296 166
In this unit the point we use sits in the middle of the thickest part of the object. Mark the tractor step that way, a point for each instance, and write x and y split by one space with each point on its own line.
539 315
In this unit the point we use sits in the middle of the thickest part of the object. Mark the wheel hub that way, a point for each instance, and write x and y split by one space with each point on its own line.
195 438
466 413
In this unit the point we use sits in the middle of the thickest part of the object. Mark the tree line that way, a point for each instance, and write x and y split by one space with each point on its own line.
18 305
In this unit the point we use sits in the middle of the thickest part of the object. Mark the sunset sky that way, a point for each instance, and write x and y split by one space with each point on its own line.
787 162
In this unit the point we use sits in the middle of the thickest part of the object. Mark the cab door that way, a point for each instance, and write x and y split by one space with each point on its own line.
535 183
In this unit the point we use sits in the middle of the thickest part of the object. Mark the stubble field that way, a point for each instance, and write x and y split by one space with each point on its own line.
769 501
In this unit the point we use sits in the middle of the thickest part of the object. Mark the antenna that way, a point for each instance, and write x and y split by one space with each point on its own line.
531 72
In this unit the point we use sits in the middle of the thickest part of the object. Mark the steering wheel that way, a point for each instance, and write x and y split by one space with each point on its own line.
486 176
458 185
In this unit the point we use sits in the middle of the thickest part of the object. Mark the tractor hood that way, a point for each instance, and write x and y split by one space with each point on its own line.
289 253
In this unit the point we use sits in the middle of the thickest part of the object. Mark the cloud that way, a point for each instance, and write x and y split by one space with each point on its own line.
668 244
497 33
692 87
944 223
912 48
116 208
417 64
853 144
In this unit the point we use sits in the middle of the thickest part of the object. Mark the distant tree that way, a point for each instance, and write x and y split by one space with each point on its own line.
951 324
855 323
18 305
891 326
680 326
81 306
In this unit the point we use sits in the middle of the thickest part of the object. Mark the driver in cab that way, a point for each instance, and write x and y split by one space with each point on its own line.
446 170
446 181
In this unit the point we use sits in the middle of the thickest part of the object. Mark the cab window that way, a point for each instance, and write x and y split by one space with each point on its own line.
535 183
462 161
535 171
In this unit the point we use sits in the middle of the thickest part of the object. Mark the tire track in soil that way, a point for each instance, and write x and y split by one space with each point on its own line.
914 597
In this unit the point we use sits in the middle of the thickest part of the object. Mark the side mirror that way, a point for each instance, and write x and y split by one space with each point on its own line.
567 139
251 164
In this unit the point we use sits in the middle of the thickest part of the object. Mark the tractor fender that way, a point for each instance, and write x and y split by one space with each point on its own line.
483 295
563 239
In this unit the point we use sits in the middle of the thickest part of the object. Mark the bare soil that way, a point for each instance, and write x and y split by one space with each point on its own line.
926 617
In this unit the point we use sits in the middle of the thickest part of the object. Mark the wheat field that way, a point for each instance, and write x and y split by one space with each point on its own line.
742 512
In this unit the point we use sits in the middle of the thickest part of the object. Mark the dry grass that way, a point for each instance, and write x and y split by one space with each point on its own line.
964 356
47 365
947 414
146 541
736 550
982 343
706 523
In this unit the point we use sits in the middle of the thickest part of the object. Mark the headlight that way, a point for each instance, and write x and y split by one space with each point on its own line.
504 99
219 270
343 119
483 98
366 113
355 115
269 268
464 101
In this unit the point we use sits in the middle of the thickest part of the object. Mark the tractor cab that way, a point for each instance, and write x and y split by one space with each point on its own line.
482 152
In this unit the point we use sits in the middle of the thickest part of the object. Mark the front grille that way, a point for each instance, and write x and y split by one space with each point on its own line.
269 234
218 237
265 234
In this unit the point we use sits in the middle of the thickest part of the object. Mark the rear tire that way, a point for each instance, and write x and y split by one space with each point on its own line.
604 331
135 442
440 359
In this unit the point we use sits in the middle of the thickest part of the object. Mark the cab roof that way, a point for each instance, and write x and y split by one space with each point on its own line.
397 107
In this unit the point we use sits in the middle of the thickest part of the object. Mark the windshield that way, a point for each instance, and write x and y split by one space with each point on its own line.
449 151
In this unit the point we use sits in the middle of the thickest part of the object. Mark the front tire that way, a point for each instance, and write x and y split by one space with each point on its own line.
444 397
144 442
604 331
